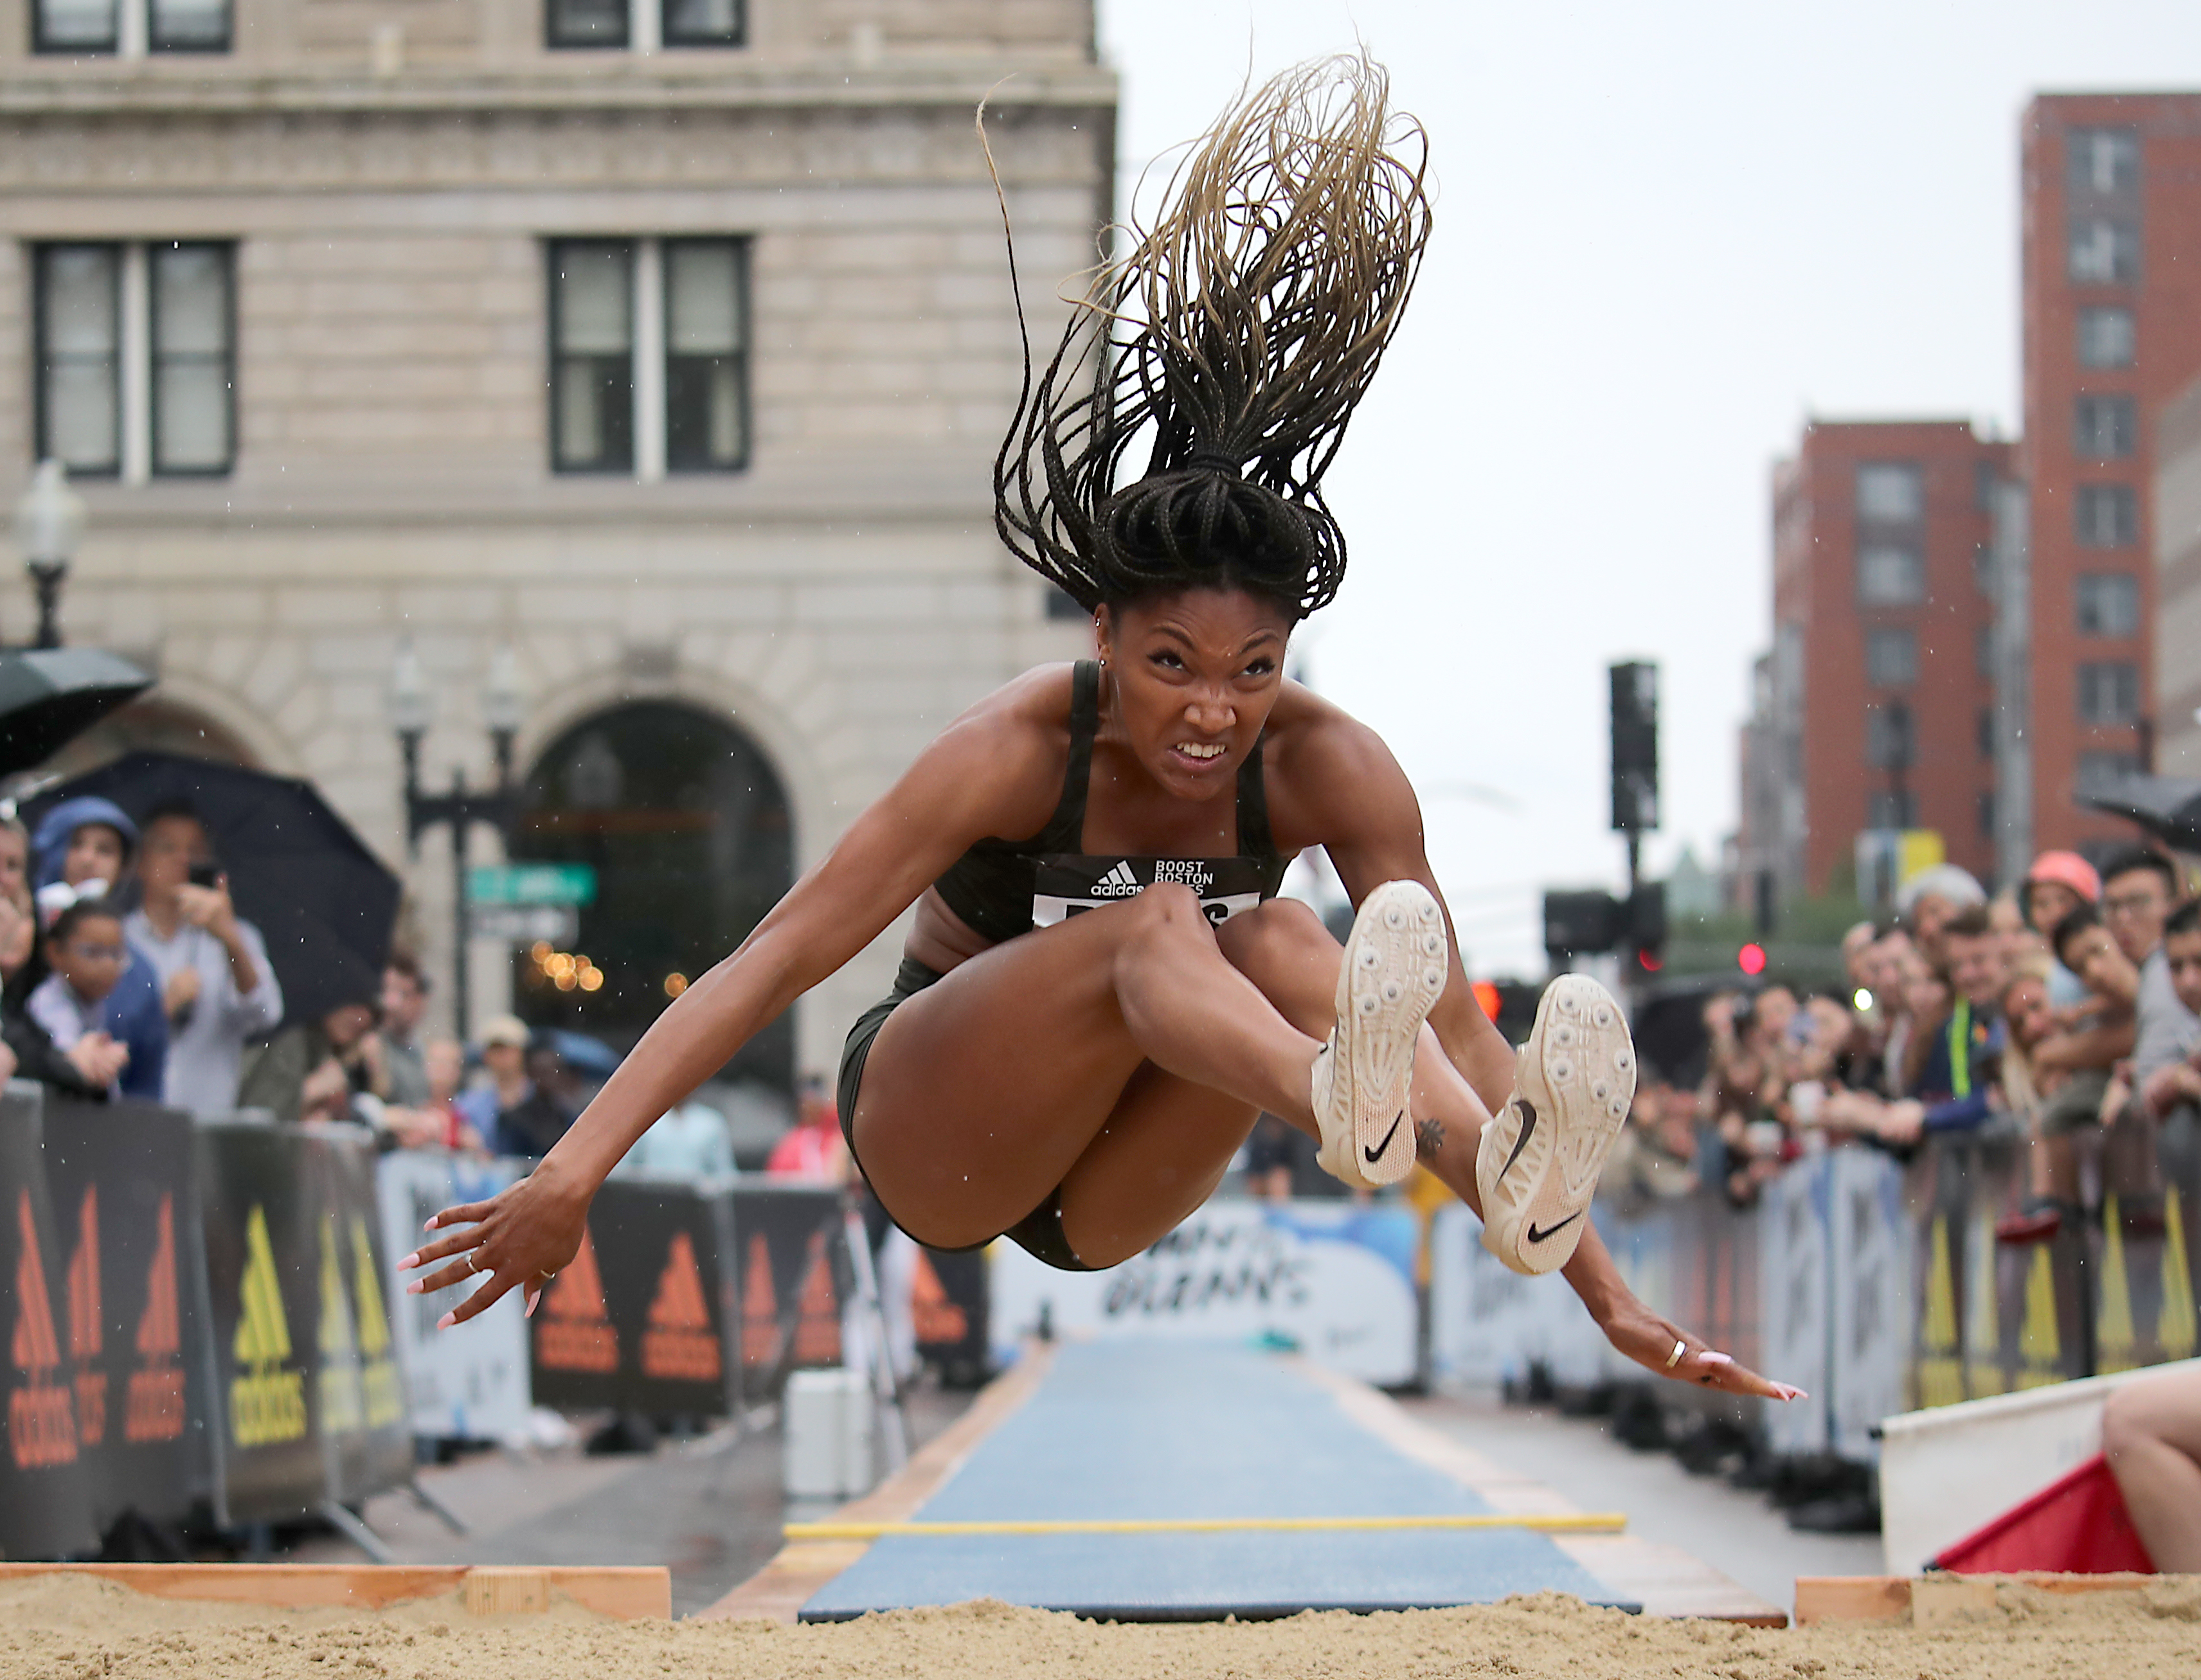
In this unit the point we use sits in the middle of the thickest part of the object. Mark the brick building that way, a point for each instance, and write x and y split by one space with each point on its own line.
1876 707
665 342
2112 290
2177 525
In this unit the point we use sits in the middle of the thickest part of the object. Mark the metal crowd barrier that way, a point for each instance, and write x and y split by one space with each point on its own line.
1877 1285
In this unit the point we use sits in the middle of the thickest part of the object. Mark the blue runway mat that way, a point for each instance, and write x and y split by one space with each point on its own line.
1161 1430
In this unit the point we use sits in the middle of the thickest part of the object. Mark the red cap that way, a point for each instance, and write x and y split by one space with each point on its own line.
2067 869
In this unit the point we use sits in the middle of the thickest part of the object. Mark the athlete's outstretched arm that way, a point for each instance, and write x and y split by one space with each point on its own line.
967 784
1371 825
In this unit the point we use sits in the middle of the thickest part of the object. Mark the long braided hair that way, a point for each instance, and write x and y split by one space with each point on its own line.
1229 346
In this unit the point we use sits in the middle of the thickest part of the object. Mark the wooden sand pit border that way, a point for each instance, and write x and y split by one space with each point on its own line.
629 1594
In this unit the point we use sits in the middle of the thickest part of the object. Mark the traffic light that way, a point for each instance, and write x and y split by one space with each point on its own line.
1587 923
1647 925
1580 924
1634 746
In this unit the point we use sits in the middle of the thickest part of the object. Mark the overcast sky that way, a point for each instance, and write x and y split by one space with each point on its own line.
1666 236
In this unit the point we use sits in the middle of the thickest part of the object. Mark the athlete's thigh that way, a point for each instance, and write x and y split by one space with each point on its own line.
982 1091
1157 1157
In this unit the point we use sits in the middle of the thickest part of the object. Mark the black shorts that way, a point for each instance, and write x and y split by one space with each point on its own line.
1039 1232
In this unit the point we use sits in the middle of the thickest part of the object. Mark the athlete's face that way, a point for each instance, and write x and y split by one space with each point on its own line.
1196 676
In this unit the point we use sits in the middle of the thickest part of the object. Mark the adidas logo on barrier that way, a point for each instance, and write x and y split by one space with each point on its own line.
678 1345
266 1402
84 1316
341 1409
572 1330
1119 883
41 1425
153 1408
377 1367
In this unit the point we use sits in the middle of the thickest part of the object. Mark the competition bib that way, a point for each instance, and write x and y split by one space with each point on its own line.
1066 885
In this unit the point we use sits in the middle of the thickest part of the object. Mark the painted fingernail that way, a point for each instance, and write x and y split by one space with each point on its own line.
533 1301
448 1319
1709 1358
431 1225
409 1262
416 1286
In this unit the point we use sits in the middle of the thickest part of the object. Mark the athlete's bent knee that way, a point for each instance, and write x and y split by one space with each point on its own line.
1280 928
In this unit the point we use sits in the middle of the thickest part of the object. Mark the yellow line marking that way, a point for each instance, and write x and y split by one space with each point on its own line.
1570 1522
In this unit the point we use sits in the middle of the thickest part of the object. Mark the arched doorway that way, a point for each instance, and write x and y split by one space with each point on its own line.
685 824
154 724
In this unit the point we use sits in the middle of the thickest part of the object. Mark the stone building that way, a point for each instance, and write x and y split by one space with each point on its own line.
665 342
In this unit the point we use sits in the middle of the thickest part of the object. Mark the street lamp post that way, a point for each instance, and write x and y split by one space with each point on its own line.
49 525
412 708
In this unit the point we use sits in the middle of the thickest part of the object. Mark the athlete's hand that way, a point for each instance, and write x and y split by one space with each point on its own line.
521 1239
1650 1340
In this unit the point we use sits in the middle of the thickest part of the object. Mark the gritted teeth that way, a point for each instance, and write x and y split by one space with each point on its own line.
1194 749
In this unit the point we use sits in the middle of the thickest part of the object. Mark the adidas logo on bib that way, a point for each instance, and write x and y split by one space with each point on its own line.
1119 883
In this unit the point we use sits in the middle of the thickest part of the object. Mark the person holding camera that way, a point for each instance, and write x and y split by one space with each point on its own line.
217 986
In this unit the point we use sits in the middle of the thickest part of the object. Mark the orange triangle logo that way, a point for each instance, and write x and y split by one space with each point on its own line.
678 1345
760 1307
818 1316
937 1318
83 1317
153 1410
41 1424
576 1334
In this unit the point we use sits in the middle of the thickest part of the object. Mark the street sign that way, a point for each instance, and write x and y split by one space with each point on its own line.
532 884
526 924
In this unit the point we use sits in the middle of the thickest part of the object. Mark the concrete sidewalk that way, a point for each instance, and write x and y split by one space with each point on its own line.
1740 1534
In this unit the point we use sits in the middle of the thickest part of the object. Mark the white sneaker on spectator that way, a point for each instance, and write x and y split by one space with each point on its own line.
1393 974
1538 1162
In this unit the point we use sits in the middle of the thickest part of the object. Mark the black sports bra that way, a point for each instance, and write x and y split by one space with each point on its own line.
1001 888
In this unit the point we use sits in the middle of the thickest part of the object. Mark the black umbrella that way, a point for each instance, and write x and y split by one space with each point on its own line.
323 903
51 695
2167 807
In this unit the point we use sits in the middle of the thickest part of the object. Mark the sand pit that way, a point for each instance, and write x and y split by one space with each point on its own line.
63 1627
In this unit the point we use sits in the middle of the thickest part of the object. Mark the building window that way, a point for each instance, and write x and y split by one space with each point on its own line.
130 28
2109 604
2108 691
643 24
706 356
187 25
79 330
1890 493
1891 659
2103 251
1983 652
2103 427
1893 808
648 356
1983 569
2107 516
2106 337
136 359
701 23
1987 812
1987 729
2103 160
1887 738
585 23
1890 575
2099 771
193 346
592 355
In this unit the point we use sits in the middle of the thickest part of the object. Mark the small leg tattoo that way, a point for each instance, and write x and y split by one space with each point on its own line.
1428 1137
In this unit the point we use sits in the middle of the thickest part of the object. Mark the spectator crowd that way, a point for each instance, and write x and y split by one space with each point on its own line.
2062 1013
125 972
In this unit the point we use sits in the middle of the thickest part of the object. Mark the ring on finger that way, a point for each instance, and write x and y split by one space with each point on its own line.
474 1264
1673 1358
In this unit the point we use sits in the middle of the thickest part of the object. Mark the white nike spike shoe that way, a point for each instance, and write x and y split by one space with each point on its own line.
1538 1162
1393 974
